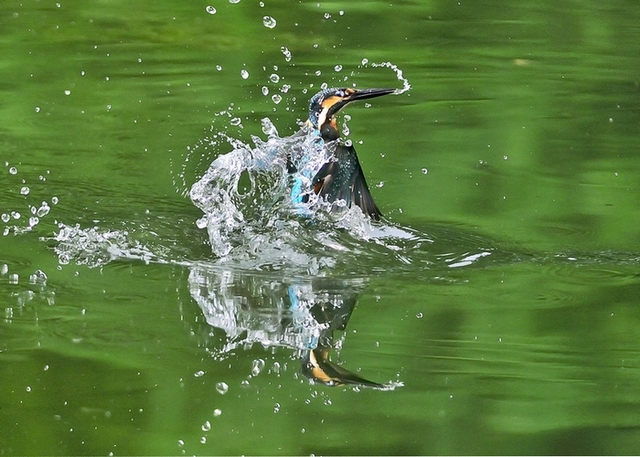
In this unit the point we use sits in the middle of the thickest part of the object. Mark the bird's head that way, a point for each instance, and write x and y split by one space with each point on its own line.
325 105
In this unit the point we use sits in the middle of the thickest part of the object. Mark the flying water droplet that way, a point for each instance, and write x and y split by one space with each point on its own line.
211 10
39 277
206 426
257 366
338 68
287 54
276 98
269 22
43 210
222 387
274 78
244 74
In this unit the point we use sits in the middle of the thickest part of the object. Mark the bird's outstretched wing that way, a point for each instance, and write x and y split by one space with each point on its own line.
342 179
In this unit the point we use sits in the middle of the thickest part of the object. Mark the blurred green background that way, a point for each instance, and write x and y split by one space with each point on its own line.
520 137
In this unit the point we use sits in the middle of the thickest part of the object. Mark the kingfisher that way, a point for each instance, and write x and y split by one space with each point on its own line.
341 178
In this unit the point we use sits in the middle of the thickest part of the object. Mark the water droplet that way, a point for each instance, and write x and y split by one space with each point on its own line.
425 171
318 72
419 315
54 200
327 15
265 90
14 278
276 98
219 67
37 109
269 22
244 74
206 426
364 62
211 10
198 374
13 171
4 269
43 210
25 190
276 408
257 367
67 92
287 54
338 68
5 217
274 78
222 387
217 412
235 121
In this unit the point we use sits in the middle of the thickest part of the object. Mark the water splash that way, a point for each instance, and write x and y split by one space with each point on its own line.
253 223
406 86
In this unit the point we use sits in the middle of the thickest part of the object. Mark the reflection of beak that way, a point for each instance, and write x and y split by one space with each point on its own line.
317 366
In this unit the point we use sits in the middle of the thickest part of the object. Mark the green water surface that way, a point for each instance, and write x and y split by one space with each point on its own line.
520 137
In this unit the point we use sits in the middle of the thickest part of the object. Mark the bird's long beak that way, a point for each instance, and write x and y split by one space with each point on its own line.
363 94
355 96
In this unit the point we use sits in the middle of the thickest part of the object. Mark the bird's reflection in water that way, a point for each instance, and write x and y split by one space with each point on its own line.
300 314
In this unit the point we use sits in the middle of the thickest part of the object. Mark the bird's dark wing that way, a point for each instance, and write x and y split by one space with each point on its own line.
342 179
